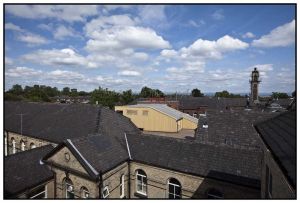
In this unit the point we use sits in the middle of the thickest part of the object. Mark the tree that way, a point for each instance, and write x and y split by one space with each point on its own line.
66 91
16 89
127 97
74 93
148 92
197 93
226 94
105 97
279 95
294 94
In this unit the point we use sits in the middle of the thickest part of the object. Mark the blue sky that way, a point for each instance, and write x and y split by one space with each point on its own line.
169 47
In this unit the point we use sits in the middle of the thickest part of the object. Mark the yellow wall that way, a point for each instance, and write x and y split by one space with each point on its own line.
187 124
154 121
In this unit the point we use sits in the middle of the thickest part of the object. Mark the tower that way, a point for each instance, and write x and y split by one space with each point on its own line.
254 85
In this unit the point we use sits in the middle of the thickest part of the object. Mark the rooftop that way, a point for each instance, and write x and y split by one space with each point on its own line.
165 109
23 171
232 128
279 135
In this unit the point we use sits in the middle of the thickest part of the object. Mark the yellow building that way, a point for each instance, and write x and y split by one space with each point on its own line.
158 117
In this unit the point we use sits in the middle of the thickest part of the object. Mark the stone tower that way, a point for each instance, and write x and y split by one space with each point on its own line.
254 85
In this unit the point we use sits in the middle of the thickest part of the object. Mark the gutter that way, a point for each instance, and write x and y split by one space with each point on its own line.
100 185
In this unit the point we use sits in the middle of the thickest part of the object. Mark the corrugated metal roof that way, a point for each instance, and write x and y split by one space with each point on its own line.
165 109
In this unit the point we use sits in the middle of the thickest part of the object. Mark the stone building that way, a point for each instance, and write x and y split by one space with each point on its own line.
94 152
278 135
254 82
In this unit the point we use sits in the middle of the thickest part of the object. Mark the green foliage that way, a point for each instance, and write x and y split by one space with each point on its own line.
226 94
127 97
12 97
197 93
105 97
66 91
279 95
16 90
147 92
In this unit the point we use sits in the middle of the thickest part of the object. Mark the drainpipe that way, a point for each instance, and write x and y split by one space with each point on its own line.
100 185
129 179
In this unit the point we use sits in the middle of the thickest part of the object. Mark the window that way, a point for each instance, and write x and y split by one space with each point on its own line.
214 194
105 192
69 189
13 145
32 146
141 182
174 189
269 182
84 193
39 193
5 142
131 112
145 113
122 193
22 145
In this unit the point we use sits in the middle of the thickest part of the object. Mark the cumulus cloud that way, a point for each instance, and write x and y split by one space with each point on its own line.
8 61
62 31
61 12
262 67
153 15
248 35
23 72
129 73
196 24
61 57
281 36
213 49
32 39
168 53
11 26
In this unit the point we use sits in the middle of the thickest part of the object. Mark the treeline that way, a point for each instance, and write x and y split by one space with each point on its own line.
105 97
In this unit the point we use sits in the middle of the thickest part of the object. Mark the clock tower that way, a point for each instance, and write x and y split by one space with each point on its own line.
254 85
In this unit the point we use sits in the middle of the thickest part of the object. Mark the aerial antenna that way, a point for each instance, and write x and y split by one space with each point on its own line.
21 115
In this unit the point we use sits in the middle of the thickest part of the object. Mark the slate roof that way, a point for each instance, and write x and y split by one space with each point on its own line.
211 102
58 122
231 128
223 163
165 109
23 170
279 135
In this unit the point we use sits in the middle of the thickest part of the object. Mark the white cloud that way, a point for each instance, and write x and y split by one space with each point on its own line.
8 61
64 75
23 72
61 57
248 35
218 14
11 26
262 67
48 27
153 14
61 32
168 53
129 73
61 12
196 24
32 39
213 49
281 36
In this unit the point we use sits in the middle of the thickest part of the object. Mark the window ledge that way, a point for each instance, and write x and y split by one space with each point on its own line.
142 196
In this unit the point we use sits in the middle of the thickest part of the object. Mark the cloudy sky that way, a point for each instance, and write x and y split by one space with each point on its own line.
169 47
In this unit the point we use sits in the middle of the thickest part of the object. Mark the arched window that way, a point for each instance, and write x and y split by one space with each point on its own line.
68 188
5 141
13 145
32 145
214 194
84 192
122 192
141 182
22 145
174 189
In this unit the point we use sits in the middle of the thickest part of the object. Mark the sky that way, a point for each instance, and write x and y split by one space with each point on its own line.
174 48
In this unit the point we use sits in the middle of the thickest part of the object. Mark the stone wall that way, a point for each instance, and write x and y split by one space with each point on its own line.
27 140
192 186
112 180
280 186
